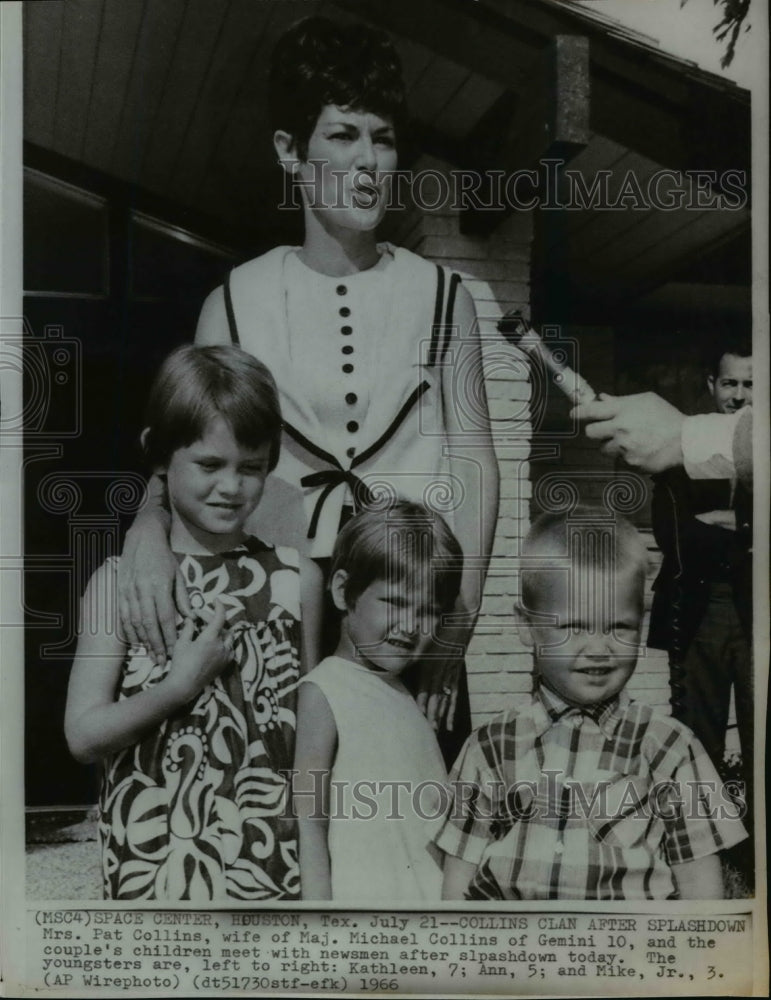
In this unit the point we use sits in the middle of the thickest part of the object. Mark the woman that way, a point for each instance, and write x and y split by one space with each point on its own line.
375 350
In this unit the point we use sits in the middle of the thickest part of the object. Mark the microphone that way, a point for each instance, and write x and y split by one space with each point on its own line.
517 331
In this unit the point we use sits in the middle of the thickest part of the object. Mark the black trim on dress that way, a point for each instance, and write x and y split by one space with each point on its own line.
229 310
330 478
436 326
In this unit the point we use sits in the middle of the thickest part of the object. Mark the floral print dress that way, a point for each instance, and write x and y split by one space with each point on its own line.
200 809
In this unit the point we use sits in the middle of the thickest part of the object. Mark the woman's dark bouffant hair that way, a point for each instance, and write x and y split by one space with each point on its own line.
319 62
197 384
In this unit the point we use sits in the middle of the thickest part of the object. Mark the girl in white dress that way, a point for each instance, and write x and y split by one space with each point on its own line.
369 789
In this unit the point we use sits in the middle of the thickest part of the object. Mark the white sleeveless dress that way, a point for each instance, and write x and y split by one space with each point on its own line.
380 832
358 361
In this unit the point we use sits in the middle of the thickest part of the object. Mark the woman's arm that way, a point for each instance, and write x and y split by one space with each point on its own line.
314 756
95 724
312 602
473 462
149 581
212 322
457 875
472 456
699 879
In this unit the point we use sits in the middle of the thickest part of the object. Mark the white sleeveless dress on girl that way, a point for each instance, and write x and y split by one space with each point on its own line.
388 792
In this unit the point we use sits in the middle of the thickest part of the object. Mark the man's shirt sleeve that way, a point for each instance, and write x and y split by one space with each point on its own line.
708 444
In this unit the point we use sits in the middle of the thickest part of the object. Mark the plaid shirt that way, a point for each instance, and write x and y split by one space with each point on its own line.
554 802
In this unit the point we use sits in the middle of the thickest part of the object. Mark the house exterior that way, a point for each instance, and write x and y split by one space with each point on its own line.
605 197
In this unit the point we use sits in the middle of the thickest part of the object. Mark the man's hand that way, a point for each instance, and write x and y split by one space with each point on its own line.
643 429
149 585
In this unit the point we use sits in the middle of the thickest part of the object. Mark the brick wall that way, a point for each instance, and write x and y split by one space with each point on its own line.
496 271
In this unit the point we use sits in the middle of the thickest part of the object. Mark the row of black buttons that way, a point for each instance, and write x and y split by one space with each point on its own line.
346 332
350 397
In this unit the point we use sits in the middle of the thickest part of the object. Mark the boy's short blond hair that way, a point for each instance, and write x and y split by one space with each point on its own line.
588 538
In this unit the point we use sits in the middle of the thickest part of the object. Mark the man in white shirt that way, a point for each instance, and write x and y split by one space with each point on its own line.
702 520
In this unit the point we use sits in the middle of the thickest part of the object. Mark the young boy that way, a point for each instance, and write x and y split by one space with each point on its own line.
584 793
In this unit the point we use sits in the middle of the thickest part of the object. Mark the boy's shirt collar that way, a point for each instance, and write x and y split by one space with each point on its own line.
606 714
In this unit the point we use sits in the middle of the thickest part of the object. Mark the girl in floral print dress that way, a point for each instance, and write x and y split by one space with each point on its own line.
194 799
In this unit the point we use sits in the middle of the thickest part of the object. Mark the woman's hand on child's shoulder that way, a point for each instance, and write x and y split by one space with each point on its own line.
437 690
150 582
198 660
